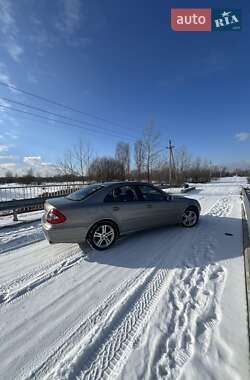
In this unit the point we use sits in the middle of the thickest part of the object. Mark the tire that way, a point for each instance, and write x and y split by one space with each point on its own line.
102 235
190 217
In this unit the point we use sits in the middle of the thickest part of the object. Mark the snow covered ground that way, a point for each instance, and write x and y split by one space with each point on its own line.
164 304
26 217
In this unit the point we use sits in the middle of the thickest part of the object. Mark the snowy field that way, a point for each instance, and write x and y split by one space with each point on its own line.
164 304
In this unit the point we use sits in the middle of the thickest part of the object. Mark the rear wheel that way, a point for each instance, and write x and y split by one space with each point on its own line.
102 235
190 217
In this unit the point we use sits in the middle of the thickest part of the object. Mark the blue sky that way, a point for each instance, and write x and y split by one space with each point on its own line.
120 60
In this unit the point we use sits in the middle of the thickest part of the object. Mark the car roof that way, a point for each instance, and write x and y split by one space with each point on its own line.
107 184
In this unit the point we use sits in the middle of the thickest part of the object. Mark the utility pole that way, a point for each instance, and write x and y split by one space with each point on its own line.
170 148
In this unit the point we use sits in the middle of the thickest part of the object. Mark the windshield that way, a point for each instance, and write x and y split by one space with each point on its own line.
84 192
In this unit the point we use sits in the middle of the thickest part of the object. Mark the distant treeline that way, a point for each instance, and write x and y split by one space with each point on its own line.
193 174
33 180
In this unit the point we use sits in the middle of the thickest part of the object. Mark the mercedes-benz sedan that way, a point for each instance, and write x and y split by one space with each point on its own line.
100 213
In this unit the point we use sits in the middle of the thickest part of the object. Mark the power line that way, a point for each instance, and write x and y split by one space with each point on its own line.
61 116
62 122
45 99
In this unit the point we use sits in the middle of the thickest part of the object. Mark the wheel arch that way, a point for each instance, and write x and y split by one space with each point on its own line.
192 207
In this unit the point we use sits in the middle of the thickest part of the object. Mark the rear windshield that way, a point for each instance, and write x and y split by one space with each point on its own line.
84 192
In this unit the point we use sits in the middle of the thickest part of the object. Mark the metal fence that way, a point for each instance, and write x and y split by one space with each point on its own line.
9 193
19 199
246 201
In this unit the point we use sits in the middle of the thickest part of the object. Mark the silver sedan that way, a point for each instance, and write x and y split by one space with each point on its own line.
100 213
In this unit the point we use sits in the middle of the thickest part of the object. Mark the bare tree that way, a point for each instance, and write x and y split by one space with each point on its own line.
8 174
139 156
67 167
30 172
82 155
122 154
182 164
182 159
151 148
89 152
106 169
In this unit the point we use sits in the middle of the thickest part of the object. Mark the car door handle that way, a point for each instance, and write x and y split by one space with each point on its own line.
116 208
149 206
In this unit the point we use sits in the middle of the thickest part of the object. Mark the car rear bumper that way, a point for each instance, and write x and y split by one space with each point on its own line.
63 234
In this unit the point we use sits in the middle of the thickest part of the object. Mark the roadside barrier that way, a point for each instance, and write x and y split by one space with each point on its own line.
28 204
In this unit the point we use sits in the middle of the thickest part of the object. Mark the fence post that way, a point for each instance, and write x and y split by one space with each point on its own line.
15 218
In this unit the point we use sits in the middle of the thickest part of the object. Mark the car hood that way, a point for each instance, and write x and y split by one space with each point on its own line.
179 198
188 201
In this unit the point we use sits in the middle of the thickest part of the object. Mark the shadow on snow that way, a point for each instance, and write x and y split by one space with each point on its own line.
214 239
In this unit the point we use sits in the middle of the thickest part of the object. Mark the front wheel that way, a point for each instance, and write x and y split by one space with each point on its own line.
190 217
102 236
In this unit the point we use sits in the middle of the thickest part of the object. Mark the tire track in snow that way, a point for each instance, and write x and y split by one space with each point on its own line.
20 237
39 270
108 349
11 294
54 314
193 310
95 320
75 334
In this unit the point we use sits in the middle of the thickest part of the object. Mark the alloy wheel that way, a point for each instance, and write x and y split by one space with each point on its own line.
189 218
104 236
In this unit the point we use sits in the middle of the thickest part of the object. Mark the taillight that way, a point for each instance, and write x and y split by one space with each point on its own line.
55 216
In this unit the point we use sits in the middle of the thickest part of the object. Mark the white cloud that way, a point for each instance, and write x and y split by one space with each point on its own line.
9 119
70 19
4 103
3 148
242 136
5 77
32 160
35 162
7 166
47 169
9 157
39 167
6 17
14 50
9 30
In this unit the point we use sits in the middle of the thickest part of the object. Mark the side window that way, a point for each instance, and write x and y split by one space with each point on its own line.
122 194
149 193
